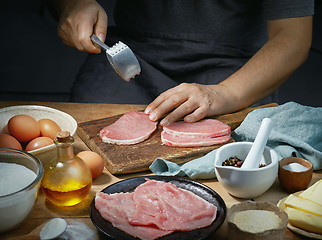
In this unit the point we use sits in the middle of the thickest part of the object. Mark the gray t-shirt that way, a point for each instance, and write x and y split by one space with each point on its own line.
175 41
230 23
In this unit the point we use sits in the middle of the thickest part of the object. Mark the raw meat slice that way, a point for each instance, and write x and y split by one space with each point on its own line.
170 208
176 141
133 127
155 209
204 128
115 208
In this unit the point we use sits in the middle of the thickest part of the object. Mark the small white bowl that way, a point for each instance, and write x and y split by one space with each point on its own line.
16 206
64 120
245 183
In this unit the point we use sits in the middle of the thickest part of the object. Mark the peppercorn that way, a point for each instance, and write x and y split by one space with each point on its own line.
236 162
233 161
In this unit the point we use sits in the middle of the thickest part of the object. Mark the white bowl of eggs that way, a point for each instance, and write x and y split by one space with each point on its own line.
33 128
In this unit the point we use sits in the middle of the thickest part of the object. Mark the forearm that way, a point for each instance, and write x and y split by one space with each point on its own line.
285 51
287 48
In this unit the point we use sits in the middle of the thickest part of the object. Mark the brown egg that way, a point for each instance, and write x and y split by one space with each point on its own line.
39 142
8 141
94 162
5 129
48 128
24 128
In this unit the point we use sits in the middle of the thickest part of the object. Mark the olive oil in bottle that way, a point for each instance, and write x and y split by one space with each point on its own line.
67 179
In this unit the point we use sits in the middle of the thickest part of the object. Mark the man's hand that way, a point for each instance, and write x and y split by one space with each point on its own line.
191 101
78 20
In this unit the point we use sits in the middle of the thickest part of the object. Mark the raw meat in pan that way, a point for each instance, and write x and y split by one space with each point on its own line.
131 128
115 209
170 208
204 128
176 141
155 209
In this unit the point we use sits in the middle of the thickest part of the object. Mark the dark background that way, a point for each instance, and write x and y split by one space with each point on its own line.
36 66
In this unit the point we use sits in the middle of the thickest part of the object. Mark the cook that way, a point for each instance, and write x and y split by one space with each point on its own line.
198 58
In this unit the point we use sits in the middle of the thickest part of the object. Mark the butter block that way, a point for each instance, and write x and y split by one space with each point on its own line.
303 205
305 221
313 193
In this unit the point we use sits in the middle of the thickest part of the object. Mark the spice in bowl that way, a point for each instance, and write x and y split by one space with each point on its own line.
256 220
295 167
236 162
294 174
233 161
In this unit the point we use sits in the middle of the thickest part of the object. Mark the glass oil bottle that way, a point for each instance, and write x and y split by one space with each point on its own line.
67 179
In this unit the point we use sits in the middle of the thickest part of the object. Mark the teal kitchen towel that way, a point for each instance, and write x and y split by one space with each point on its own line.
297 129
200 168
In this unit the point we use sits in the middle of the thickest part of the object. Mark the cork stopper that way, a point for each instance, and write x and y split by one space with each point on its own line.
63 136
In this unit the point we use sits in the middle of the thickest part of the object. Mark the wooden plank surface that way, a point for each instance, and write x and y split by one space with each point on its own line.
79 214
138 157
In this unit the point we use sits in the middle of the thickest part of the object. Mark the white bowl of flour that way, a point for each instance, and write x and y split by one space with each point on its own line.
20 177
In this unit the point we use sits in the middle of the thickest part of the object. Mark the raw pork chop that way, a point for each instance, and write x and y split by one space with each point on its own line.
204 128
133 127
175 141
170 208
155 209
207 132
115 209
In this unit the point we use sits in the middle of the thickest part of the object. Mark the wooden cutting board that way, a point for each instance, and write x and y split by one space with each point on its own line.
138 157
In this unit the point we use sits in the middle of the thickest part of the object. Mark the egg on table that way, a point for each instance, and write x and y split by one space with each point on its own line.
94 162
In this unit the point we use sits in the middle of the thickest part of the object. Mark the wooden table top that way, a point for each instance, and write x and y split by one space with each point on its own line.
79 215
